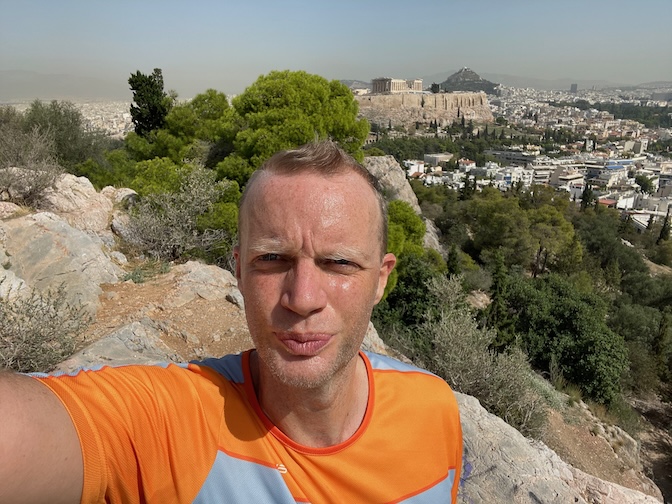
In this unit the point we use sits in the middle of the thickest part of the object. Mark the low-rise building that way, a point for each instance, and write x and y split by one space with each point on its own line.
439 159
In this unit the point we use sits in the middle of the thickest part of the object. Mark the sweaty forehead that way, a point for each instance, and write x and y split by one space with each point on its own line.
271 189
309 195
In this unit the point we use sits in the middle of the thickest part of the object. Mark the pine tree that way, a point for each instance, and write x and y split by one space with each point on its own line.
453 261
151 102
665 230
587 198
497 314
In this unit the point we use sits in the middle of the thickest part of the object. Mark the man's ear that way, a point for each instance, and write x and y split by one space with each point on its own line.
389 261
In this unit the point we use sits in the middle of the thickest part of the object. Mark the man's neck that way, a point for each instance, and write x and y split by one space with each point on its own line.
320 417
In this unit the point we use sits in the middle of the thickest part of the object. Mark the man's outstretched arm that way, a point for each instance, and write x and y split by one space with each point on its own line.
40 454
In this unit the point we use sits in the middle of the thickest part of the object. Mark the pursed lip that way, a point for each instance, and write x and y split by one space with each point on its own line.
303 344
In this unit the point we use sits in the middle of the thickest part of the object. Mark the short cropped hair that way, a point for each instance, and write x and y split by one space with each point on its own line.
324 158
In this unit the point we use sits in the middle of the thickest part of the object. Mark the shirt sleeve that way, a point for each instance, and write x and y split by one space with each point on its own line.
148 433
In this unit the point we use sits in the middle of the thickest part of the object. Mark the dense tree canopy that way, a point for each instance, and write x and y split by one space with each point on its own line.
201 129
561 325
286 109
498 222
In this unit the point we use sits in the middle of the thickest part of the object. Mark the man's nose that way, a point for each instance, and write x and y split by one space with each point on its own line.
304 289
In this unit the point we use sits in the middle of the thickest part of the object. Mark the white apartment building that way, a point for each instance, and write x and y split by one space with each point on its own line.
414 166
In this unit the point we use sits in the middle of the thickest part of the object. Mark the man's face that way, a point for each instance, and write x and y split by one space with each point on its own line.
310 267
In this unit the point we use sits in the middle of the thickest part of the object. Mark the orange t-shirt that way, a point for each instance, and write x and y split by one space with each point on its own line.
196 433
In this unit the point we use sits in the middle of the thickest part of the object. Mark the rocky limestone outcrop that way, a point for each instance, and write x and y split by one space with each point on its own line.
69 241
43 249
501 465
77 201
409 108
393 181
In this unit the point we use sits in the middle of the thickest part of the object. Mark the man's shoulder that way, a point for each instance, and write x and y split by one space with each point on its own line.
229 366
388 369
401 386
385 363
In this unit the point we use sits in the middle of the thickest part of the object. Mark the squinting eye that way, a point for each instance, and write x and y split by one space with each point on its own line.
342 265
269 257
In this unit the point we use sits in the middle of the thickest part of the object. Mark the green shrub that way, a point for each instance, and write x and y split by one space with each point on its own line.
147 270
557 322
450 344
74 141
27 163
173 225
39 330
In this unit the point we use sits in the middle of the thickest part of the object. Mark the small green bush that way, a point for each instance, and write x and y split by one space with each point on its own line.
28 165
147 270
39 330
450 344
174 225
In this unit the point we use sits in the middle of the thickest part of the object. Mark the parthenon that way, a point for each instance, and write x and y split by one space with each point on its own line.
383 85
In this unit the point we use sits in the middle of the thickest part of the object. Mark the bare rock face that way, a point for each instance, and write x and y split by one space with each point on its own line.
393 181
501 465
77 201
44 251
137 342
407 109
68 242
8 209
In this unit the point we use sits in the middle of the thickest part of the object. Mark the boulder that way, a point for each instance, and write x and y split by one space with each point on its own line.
205 281
393 182
77 201
8 209
134 343
44 251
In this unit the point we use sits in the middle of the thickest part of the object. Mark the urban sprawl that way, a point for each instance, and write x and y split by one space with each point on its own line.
609 171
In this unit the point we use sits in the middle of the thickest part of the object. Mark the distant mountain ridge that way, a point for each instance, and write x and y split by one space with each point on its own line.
467 80
548 84
356 84
523 82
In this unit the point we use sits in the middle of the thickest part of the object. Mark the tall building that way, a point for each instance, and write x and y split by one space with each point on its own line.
573 88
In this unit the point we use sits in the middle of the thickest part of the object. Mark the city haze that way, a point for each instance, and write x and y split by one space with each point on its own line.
87 50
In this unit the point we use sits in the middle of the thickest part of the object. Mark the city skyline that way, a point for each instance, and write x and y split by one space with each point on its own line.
208 44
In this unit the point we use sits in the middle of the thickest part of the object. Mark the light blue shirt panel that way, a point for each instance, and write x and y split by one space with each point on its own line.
385 363
240 481
229 366
439 493
98 367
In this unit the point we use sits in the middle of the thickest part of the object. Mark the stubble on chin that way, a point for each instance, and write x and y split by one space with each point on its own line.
307 373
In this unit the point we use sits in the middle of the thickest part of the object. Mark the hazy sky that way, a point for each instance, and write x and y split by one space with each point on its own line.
226 45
